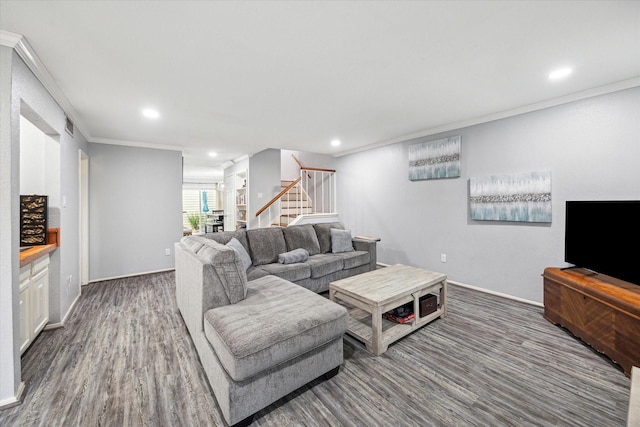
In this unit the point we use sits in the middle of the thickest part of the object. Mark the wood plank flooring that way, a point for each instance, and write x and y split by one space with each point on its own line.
124 358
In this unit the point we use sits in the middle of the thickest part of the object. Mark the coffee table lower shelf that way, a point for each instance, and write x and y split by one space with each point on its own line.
361 329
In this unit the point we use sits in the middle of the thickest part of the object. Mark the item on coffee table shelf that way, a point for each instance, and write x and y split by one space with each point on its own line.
402 314
428 304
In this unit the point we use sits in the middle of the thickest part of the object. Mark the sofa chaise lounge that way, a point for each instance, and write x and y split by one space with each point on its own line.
257 322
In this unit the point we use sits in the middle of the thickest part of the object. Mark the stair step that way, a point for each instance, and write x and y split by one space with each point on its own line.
295 211
294 190
293 198
284 204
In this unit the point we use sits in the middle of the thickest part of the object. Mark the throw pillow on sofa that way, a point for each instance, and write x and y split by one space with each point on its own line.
244 255
265 244
302 236
294 256
341 241
323 231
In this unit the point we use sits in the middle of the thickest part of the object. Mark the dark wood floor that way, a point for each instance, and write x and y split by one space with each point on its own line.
124 358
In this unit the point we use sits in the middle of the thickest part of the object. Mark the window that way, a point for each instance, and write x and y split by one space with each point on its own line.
200 200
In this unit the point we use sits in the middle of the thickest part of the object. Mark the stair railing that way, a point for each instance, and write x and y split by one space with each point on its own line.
270 208
316 185
320 185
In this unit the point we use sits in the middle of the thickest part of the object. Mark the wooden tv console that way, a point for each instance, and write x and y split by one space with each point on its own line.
602 311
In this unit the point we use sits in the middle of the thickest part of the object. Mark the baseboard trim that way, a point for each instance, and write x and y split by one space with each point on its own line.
130 275
60 324
498 294
486 291
14 401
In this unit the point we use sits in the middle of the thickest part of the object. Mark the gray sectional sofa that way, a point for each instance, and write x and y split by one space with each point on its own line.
249 299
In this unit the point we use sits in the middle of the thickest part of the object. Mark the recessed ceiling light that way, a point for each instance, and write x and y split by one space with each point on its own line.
560 73
213 154
150 113
335 142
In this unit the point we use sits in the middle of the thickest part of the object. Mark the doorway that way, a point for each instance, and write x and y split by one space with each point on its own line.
84 217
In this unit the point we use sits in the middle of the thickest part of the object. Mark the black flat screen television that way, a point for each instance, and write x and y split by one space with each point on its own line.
604 237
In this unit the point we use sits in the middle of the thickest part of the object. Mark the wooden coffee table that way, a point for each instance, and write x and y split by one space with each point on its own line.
369 295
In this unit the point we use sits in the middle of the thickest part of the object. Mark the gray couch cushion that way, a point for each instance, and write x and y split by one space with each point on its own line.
354 259
228 267
225 236
302 236
293 256
291 272
265 244
341 241
242 252
255 273
323 264
277 322
323 232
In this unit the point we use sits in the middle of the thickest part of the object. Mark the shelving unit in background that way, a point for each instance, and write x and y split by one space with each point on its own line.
242 200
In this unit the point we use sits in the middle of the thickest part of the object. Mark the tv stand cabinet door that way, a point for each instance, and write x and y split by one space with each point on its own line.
588 319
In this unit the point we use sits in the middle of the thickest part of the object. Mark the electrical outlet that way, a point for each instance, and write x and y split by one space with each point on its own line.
443 257
167 252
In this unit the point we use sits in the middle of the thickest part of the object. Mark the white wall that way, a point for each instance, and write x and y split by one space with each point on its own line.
40 167
264 181
591 148
289 169
22 93
135 209
9 192
31 158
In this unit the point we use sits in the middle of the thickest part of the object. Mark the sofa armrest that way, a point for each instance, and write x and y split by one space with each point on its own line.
206 279
373 239
189 275
367 244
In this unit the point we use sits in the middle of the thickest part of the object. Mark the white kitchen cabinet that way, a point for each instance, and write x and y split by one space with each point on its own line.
34 300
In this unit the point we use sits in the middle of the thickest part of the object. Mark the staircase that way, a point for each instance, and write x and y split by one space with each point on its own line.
293 203
296 198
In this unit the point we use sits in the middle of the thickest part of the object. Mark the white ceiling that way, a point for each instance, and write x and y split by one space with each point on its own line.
239 77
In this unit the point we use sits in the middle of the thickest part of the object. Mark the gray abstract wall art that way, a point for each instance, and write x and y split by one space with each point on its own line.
435 159
521 197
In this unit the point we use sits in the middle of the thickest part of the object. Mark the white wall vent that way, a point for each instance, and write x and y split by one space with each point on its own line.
69 126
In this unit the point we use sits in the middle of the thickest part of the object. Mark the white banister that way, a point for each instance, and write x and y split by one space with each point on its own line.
296 200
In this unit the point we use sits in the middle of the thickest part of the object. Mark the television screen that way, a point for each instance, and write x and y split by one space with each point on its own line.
604 237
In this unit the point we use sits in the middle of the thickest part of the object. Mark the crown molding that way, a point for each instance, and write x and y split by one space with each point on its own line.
22 47
9 39
601 90
139 144
241 158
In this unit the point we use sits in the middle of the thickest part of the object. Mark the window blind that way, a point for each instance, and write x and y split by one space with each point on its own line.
192 202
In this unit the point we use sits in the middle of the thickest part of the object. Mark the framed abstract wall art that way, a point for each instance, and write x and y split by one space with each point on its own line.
522 197
435 159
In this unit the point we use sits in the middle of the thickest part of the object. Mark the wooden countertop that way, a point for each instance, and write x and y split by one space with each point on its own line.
35 252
